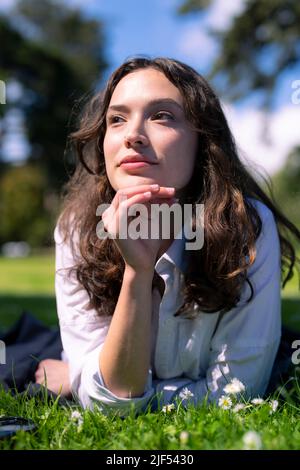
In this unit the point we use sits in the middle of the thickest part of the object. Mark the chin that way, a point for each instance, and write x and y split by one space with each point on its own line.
135 180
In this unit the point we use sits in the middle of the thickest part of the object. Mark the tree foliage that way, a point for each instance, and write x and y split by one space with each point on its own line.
258 47
57 56
23 210
67 32
287 186
262 42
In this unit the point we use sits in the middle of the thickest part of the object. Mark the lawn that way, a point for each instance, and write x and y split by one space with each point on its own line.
206 427
29 284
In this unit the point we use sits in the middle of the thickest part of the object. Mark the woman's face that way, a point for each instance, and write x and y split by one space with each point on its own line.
145 118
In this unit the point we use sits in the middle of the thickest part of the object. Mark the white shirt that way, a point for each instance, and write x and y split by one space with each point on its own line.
185 354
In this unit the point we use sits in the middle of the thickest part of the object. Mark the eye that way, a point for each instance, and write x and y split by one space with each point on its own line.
113 119
165 114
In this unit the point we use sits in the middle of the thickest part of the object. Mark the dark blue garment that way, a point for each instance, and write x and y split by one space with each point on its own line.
283 368
26 344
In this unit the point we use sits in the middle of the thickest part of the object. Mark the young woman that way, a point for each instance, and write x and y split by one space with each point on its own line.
146 317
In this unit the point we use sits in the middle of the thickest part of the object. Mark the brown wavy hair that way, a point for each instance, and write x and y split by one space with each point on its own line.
216 273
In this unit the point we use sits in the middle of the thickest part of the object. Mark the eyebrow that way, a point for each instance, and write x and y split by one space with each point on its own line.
123 107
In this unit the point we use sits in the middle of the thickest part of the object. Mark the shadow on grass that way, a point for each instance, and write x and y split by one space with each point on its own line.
43 307
291 312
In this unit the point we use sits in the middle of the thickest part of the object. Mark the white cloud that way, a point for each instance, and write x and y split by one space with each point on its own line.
195 43
222 12
266 146
6 5
196 46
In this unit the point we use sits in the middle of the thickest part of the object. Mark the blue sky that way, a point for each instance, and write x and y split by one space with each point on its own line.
149 27
154 28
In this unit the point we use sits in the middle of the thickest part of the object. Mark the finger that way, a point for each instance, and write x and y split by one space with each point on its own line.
113 218
126 193
43 363
40 372
39 378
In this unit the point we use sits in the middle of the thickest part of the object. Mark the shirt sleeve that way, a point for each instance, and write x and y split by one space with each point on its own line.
248 336
83 334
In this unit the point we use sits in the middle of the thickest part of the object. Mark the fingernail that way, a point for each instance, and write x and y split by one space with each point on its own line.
170 190
154 186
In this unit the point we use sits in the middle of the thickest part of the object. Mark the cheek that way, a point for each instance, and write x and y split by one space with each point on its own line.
107 145
110 149
180 152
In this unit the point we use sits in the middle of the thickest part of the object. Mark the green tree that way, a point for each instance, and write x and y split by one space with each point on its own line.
287 186
66 31
57 56
24 213
261 43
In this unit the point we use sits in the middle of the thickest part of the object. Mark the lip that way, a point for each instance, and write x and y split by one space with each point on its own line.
135 165
130 159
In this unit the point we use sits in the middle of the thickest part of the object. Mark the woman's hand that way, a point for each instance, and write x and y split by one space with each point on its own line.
57 376
139 254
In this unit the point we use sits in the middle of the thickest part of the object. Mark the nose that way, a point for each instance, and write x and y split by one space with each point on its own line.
135 137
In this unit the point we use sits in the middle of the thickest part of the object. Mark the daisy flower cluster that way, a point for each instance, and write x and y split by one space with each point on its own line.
168 408
184 395
229 401
77 419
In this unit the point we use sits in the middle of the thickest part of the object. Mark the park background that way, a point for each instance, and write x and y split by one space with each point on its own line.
55 54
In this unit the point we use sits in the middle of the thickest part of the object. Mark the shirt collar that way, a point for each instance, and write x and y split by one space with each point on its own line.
174 255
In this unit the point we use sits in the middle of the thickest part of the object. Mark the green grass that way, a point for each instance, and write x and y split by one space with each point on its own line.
31 275
204 427
28 284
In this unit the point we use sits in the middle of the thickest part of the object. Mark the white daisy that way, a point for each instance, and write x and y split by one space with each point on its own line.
273 405
238 407
184 437
168 408
257 401
234 387
77 417
252 441
185 394
225 402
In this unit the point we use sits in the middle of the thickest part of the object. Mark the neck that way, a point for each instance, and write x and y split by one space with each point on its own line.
165 245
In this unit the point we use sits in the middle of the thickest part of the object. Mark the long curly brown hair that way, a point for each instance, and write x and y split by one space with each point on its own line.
216 273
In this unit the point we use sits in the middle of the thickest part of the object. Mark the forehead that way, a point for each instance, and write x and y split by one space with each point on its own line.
146 84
